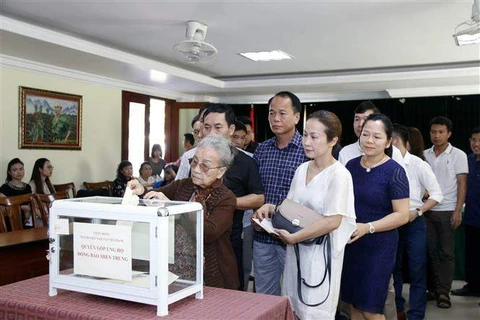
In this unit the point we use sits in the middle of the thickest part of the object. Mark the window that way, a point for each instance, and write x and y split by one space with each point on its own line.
144 123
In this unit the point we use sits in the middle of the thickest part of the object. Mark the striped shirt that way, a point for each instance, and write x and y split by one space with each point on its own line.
277 168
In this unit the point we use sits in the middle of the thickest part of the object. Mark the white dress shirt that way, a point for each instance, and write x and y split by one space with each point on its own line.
184 169
421 178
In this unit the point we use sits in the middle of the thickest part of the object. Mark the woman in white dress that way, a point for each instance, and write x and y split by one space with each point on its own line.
324 185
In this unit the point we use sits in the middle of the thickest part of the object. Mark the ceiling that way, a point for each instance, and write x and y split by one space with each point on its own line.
342 50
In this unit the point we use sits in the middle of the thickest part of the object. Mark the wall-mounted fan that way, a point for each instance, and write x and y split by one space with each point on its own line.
194 48
468 32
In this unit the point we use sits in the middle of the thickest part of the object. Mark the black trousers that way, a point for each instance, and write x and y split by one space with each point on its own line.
472 257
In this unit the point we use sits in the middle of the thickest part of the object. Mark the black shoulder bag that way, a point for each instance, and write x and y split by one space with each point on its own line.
293 217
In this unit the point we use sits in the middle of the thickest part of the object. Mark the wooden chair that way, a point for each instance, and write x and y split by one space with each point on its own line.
11 207
69 186
44 202
100 185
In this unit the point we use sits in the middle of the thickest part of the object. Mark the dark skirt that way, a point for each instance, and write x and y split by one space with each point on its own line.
367 267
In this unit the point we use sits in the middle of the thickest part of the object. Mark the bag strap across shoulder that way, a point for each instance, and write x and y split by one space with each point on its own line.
327 254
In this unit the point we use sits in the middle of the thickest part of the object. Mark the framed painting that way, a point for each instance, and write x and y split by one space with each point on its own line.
49 120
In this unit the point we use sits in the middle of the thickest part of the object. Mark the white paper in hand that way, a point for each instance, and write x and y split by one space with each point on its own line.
266 225
129 198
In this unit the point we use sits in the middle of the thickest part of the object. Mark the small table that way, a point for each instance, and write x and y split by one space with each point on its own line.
30 299
23 254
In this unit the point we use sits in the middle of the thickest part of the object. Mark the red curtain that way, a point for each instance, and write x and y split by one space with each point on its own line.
252 118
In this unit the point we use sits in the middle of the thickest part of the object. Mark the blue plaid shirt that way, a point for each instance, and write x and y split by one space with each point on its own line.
277 168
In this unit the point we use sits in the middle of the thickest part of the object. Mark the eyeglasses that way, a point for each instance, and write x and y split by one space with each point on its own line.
50 167
203 166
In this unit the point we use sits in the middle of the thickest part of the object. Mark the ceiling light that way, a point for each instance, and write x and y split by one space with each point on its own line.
275 55
158 76
468 32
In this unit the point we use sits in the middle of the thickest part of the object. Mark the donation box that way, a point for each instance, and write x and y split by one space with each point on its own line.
149 253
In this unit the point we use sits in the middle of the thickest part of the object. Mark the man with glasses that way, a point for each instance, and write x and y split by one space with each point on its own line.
242 178
250 145
277 159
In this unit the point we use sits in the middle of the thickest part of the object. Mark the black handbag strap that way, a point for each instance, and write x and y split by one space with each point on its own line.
327 255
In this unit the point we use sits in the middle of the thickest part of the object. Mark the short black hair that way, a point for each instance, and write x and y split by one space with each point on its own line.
245 120
189 137
476 130
401 131
240 126
195 119
365 106
296 104
443 121
220 108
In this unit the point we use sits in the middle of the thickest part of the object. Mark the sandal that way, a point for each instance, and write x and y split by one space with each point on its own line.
443 301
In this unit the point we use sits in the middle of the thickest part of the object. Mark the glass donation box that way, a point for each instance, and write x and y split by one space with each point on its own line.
150 253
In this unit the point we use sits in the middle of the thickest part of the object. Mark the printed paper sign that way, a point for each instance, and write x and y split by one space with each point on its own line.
103 251
61 226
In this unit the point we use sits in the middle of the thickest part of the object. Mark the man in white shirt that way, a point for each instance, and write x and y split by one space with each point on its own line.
353 150
412 236
197 127
450 166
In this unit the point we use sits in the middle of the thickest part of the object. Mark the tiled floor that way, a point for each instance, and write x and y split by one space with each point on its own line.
463 308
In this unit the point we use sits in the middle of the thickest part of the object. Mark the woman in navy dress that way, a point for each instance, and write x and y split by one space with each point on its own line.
381 205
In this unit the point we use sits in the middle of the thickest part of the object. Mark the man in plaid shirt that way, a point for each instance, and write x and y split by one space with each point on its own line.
277 160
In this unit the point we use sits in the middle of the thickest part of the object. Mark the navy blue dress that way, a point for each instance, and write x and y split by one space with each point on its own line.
369 261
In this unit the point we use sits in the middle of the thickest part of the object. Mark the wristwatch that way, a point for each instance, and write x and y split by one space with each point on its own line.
419 212
371 228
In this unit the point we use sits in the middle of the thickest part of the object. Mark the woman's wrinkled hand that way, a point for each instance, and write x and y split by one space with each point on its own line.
155 195
136 187
359 232
264 212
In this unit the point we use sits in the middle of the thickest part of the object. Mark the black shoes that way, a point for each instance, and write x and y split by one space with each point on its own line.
465 292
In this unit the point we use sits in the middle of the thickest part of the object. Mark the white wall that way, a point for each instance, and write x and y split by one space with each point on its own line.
101 129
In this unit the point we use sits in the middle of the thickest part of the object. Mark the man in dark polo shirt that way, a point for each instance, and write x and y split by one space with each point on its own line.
242 178
472 221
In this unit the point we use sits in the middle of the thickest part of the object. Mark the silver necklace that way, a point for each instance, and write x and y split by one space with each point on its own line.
369 168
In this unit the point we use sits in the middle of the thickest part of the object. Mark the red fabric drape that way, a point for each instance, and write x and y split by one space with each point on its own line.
252 118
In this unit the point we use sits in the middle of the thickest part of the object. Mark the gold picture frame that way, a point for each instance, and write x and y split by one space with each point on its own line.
49 120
